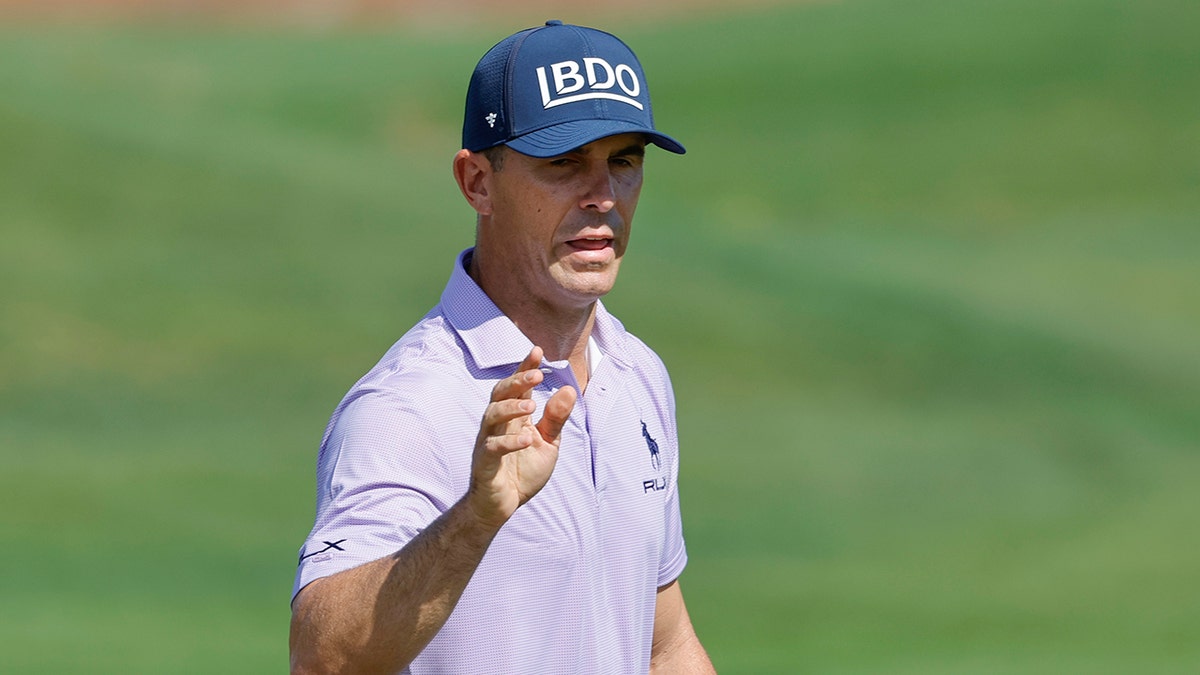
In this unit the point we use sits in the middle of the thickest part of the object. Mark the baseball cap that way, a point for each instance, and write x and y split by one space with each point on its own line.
550 89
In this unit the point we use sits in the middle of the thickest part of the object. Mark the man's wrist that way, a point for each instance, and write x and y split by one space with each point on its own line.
474 524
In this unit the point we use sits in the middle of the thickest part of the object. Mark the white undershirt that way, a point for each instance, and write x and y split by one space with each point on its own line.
594 355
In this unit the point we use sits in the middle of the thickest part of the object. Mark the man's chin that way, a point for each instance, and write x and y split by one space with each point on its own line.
589 285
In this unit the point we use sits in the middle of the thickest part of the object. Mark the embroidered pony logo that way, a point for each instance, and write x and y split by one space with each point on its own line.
653 445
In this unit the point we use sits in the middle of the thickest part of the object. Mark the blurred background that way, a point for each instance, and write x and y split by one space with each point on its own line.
928 283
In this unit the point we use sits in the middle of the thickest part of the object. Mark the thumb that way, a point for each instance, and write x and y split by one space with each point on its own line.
557 410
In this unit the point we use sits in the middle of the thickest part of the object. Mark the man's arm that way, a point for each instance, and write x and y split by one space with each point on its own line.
675 648
377 617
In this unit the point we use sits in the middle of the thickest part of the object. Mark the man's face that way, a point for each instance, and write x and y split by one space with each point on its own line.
560 225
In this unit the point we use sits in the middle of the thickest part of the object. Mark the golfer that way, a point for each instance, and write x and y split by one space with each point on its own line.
499 493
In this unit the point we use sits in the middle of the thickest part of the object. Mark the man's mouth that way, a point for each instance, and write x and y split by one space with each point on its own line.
590 243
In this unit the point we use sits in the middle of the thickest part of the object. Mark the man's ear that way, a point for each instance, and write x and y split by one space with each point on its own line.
473 172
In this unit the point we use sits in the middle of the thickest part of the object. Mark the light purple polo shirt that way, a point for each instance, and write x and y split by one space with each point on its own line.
568 585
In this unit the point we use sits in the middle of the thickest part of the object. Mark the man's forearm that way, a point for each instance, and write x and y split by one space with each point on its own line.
686 657
377 617
675 648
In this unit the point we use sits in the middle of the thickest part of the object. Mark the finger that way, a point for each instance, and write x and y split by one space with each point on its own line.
522 382
504 444
492 449
499 415
556 412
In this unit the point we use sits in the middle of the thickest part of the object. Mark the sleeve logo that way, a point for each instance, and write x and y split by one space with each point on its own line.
329 546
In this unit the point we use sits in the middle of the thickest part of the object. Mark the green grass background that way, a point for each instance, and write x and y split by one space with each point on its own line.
928 281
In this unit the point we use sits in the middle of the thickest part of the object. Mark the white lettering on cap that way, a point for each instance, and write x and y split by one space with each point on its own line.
610 78
569 77
567 70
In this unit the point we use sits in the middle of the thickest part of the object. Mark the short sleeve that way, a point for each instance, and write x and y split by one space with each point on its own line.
381 479
674 552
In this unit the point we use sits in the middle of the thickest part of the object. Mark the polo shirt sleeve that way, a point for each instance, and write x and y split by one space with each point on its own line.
381 479
674 551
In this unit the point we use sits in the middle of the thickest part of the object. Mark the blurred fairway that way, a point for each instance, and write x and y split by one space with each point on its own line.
928 281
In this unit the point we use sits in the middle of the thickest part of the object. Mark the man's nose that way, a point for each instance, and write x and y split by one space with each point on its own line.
600 194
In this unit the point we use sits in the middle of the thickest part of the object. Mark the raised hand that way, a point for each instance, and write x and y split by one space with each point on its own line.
514 457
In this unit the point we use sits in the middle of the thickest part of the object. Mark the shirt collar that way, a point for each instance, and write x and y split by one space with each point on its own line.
493 340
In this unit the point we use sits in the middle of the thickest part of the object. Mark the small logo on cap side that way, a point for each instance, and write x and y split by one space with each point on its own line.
597 75
491 119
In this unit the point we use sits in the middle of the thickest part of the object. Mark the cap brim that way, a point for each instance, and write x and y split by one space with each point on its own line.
563 138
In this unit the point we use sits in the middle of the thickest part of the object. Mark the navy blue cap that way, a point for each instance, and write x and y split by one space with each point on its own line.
551 89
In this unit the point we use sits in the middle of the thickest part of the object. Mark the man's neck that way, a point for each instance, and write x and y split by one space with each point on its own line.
562 336
562 333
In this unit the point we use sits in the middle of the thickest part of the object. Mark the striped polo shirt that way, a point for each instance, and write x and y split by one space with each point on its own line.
568 585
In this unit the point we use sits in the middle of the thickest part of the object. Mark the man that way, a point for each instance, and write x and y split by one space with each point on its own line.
447 544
